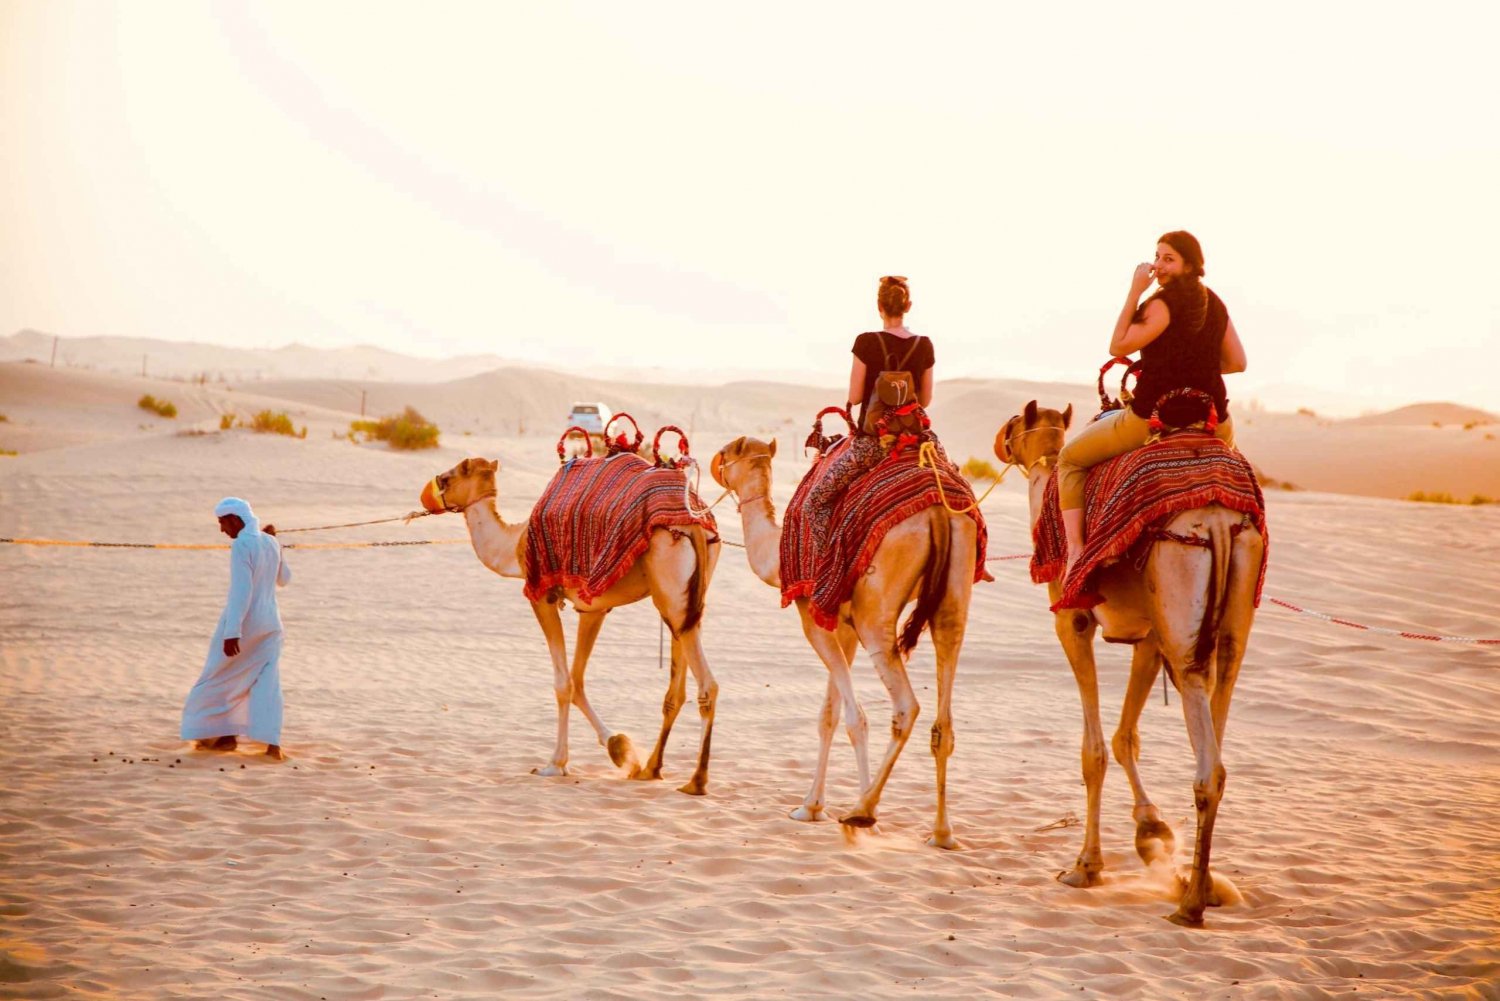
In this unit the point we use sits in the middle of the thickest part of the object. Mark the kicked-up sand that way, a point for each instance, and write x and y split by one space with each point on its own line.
405 850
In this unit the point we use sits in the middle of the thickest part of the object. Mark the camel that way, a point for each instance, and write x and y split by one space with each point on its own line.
1190 608
928 557
674 572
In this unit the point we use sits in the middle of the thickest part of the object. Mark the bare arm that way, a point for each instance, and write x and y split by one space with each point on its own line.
1232 353
924 391
1130 336
856 385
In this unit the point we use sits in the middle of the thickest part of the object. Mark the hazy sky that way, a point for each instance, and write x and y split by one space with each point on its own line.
713 186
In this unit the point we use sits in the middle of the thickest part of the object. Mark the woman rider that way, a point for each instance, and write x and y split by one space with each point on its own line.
1186 340
892 348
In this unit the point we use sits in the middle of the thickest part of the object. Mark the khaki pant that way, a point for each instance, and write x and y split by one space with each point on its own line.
1113 434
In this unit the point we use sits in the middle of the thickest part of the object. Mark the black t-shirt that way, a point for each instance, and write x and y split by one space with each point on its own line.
916 350
1184 356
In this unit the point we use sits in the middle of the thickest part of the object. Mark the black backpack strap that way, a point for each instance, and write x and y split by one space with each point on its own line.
915 342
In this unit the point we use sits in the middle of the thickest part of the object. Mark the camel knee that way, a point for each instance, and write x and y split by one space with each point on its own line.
1126 746
708 696
943 740
672 704
903 719
566 693
1095 760
1208 791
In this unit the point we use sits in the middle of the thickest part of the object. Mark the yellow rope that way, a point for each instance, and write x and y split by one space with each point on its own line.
927 459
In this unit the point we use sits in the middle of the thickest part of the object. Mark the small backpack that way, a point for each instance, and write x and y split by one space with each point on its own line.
894 396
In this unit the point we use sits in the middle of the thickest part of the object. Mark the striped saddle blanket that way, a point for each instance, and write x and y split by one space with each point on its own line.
595 520
826 570
1131 493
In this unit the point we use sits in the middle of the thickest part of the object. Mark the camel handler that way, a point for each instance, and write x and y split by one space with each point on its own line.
239 692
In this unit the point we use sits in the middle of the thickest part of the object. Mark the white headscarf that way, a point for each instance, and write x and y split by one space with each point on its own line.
235 506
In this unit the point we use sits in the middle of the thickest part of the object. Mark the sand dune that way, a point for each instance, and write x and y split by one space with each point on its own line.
406 851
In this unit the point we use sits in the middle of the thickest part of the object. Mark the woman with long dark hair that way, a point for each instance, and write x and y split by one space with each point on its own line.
1186 340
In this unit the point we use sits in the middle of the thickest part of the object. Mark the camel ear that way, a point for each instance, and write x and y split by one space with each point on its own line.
488 466
1002 442
773 448
1068 416
1030 413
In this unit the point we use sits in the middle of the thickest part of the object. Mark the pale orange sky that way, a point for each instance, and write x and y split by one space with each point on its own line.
685 184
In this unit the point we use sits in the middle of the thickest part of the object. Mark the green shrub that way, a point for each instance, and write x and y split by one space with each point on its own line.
979 469
6 451
407 430
268 422
226 421
163 408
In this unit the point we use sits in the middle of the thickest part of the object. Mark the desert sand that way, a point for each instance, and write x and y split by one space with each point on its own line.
406 851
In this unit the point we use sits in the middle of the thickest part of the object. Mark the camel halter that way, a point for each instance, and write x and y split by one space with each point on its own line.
437 496
740 502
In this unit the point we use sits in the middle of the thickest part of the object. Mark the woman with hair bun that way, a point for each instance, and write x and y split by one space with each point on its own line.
888 351
1186 340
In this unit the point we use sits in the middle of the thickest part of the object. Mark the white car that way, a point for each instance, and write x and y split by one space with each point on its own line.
592 417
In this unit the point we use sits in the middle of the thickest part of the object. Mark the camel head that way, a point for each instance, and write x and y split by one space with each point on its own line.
467 483
744 466
1032 437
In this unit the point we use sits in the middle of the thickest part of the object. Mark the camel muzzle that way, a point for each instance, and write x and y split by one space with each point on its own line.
432 498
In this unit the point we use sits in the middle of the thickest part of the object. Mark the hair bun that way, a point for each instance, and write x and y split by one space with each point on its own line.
894 280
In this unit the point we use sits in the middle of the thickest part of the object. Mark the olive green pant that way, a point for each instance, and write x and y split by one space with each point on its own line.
1113 434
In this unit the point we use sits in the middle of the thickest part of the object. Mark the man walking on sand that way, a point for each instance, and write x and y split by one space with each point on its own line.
239 692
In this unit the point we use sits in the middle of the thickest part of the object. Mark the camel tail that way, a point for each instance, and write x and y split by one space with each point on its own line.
1220 542
697 586
934 579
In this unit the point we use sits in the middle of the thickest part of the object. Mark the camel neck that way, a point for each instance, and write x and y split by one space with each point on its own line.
762 538
495 543
1036 490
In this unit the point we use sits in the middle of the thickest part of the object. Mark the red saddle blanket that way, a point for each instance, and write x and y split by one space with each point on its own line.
826 570
1130 493
595 519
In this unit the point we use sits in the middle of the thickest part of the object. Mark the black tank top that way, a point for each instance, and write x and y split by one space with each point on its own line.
1184 355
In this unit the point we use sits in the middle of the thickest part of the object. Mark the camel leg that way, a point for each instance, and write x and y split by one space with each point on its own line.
879 640
1075 631
947 629
1154 838
671 706
834 649
618 745
708 697
1208 790
548 616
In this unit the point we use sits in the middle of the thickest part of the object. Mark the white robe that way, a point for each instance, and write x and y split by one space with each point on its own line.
241 695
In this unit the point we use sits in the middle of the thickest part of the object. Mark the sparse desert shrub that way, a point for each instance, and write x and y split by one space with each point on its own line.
7 451
979 469
269 422
407 430
1307 411
3 418
226 421
1443 497
163 408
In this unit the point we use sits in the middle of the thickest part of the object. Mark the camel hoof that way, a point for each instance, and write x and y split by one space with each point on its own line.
697 787
858 820
550 770
947 842
1185 920
1081 878
1155 841
808 814
622 751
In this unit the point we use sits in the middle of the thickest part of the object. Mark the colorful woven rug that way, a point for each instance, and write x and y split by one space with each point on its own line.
1130 493
595 519
871 506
